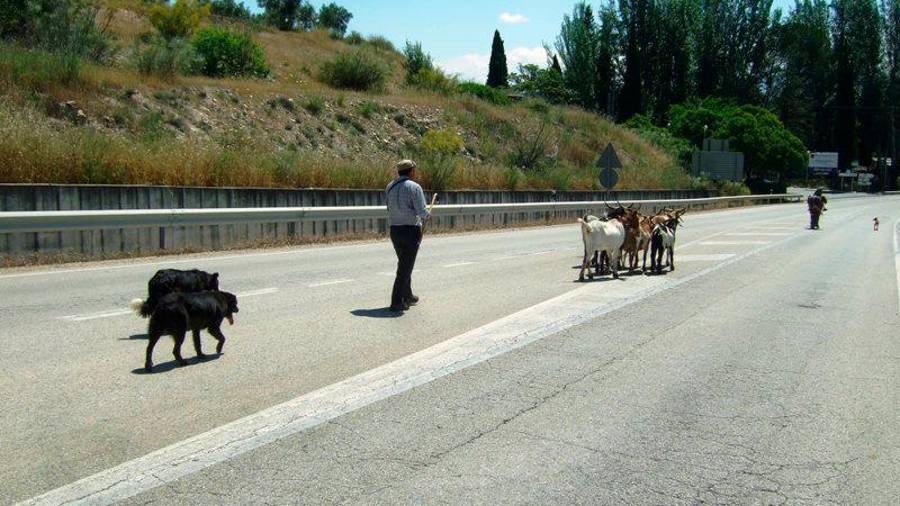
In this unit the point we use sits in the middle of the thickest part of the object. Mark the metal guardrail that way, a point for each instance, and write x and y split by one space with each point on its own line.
57 221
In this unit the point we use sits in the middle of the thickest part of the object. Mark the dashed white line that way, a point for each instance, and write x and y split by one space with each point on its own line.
733 243
703 258
758 234
122 312
330 283
458 264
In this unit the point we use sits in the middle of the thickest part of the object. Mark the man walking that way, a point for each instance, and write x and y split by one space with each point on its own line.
816 204
406 211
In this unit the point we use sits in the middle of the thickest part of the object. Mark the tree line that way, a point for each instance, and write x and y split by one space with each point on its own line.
829 69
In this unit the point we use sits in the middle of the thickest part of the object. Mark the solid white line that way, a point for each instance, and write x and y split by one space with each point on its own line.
506 334
329 283
897 260
460 264
733 243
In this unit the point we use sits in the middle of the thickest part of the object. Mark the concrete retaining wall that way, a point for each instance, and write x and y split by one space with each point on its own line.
97 243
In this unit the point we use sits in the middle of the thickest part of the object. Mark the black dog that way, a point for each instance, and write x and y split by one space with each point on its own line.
176 313
167 281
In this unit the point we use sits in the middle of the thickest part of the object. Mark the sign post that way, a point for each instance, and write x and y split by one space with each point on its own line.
609 164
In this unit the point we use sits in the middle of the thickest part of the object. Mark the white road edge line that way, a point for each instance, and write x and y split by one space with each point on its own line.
243 435
733 243
330 283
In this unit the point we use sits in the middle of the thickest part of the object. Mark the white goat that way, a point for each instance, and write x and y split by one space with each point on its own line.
605 236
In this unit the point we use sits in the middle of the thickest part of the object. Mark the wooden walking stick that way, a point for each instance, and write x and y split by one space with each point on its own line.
430 207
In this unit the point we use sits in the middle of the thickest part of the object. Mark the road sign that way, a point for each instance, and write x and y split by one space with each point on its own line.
609 178
608 163
609 159
823 163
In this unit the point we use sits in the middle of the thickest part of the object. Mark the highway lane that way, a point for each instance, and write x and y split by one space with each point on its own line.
77 406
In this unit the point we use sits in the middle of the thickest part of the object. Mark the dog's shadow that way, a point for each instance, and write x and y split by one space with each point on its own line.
172 365
135 337
382 312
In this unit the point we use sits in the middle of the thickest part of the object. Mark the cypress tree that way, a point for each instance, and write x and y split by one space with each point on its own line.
498 73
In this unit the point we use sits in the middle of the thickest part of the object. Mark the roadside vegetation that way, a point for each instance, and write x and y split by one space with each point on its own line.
205 93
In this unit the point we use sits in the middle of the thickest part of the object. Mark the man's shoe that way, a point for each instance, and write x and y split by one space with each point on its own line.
400 308
412 301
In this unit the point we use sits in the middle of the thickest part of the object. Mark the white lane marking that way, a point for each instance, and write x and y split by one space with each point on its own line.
122 312
256 293
733 243
458 264
330 283
536 253
758 234
897 260
243 435
96 316
703 258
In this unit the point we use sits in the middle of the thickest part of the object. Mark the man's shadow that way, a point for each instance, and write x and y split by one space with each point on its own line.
382 312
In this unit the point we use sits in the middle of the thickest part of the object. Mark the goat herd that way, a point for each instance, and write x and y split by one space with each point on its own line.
624 231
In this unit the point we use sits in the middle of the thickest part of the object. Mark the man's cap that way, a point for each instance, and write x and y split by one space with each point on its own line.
404 165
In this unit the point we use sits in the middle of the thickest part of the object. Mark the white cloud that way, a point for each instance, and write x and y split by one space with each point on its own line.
513 19
474 66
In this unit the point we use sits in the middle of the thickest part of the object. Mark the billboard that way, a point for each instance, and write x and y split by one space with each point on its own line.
823 163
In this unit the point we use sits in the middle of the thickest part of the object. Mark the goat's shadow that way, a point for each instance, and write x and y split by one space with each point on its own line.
382 313
172 365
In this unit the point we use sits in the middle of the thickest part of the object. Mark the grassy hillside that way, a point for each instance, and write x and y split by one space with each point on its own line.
73 121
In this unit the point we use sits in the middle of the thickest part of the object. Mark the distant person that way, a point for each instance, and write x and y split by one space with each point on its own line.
875 223
816 204
406 212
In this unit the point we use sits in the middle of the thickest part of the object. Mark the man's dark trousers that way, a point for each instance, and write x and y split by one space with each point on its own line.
406 241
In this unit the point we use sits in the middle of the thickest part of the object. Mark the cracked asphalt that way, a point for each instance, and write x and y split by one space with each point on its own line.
772 381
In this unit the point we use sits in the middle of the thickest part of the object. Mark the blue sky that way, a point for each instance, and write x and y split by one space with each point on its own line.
458 34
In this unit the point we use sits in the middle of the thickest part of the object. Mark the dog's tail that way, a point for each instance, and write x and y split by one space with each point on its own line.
141 307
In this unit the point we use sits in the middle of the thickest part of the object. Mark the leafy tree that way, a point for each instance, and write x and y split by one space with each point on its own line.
576 46
767 145
498 72
228 8
548 84
607 81
334 18
283 14
307 18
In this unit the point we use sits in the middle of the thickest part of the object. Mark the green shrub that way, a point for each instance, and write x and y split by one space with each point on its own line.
485 93
178 20
439 152
381 44
226 53
355 39
434 80
62 26
33 69
167 58
354 70
315 105
368 109
416 61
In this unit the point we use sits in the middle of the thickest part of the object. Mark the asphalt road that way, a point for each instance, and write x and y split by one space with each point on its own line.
764 370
